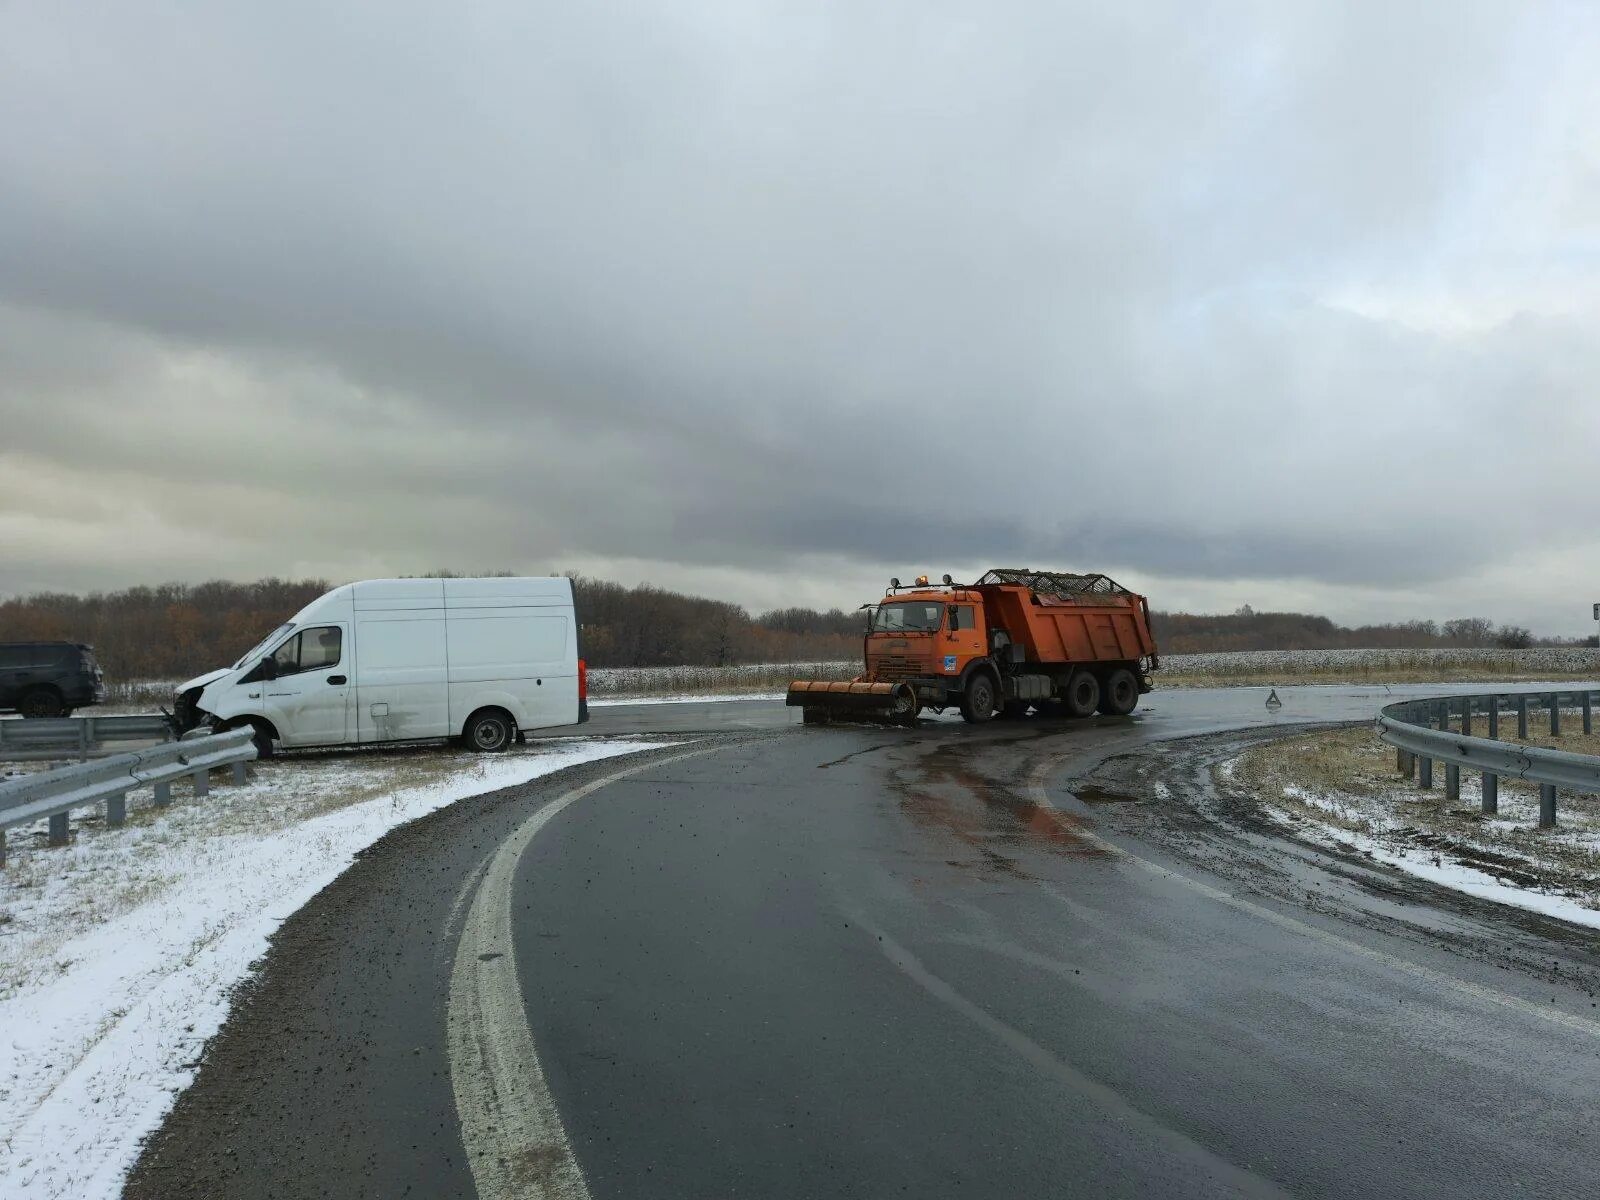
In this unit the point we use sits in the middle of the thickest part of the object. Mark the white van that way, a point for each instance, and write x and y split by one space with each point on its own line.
404 660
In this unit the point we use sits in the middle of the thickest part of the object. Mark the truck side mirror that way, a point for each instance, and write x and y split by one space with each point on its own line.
955 617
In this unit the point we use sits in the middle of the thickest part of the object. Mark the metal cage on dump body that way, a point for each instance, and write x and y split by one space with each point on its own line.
1057 585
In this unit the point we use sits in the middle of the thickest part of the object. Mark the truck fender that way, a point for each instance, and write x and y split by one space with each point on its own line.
976 665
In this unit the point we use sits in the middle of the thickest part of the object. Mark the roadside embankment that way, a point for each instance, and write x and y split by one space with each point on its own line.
1340 789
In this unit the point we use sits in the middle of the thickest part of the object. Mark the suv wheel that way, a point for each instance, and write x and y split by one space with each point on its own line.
42 702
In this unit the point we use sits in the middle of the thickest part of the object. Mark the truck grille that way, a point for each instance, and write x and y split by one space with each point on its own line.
897 666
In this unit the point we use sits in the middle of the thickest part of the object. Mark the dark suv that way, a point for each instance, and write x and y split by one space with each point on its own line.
48 679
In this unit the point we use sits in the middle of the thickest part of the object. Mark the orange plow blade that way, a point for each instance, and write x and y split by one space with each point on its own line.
822 702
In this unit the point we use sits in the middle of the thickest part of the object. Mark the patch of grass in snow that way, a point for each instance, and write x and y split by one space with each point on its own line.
1344 781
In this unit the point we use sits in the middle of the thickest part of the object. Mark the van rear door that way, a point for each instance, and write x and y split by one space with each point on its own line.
513 645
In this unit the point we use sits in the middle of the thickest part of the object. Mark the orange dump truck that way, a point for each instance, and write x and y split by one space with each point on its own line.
1061 645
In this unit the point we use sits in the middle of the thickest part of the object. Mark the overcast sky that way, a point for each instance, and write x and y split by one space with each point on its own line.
1280 304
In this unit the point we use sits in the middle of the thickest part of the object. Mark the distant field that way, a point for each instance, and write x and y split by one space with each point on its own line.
1376 666
1242 667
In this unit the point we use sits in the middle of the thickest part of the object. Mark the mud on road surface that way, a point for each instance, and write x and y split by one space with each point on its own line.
1177 796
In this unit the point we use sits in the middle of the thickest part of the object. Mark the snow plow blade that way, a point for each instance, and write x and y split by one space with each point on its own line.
820 703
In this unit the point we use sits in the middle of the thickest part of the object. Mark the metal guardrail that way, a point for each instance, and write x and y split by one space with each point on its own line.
1439 729
54 794
37 738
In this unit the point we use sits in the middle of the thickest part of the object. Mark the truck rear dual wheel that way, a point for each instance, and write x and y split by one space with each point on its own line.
1120 695
1083 695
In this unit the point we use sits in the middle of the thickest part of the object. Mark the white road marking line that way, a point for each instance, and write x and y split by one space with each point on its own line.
1475 991
516 1145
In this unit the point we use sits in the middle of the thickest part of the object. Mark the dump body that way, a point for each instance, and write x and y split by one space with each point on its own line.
1058 644
1089 627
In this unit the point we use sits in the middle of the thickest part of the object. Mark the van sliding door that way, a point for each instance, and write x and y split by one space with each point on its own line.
401 690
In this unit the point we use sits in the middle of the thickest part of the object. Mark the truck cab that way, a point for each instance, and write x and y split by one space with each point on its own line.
927 636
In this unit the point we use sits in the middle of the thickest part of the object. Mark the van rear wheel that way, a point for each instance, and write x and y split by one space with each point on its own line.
489 731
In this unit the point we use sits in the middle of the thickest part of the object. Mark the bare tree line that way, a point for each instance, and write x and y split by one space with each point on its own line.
176 630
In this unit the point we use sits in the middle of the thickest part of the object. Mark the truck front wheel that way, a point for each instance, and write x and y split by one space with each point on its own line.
977 699
1120 694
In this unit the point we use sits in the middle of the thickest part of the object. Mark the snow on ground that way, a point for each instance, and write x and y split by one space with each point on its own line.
119 953
1438 867
1339 790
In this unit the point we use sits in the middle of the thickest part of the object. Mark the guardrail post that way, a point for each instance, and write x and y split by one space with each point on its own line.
1466 716
1452 781
239 775
1555 714
202 784
1494 716
1444 715
1588 718
1522 718
1547 806
117 810
58 829
1424 771
83 741
1491 793
2 847
163 794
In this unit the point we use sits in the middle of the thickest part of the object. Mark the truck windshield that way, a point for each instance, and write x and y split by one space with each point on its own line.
262 644
919 616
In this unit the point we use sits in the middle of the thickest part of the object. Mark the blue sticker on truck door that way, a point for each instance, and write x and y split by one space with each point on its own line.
949 664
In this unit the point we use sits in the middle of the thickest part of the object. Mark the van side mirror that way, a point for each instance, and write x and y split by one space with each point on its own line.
268 668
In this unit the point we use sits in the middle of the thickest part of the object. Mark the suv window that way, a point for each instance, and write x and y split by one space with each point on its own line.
25 655
310 650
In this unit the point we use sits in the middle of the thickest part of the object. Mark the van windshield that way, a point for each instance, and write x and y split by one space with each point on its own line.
919 616
263 644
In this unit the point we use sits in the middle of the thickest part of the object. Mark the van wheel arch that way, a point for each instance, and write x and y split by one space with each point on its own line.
489 730
266 733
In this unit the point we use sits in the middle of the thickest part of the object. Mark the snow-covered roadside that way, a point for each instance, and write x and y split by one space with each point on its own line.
1436 868
1501 858
103 1013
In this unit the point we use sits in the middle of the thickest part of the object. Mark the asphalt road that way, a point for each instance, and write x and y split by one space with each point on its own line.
1026 959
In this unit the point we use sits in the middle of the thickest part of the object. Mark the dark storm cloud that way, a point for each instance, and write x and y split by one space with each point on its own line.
1199 294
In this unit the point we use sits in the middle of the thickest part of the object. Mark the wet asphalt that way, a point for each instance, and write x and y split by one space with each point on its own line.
867 962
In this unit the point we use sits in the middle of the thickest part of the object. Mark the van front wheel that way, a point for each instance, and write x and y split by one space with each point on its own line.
489 731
